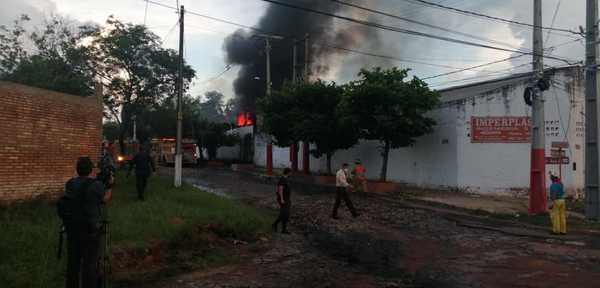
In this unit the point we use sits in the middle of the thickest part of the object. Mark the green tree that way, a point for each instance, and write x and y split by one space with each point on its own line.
213 135
308 112
137 71
279 113
110 130
317 119
385 107
11 45
59 60
212 108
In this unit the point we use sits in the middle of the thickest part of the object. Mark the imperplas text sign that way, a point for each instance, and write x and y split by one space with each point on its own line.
504 129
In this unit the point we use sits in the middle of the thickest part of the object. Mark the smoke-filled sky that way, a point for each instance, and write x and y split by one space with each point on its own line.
208 51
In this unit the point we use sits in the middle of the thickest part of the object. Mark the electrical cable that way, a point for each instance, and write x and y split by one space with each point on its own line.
423 23
473 67
356 51
227 68
553 20
145 13
409 32
461 11
317 44
170 31
492 73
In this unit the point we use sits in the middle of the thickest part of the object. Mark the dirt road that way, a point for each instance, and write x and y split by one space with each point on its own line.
389 245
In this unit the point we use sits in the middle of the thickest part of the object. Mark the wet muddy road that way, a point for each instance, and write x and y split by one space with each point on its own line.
389 245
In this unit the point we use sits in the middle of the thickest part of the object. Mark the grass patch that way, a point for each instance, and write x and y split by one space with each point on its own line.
185 224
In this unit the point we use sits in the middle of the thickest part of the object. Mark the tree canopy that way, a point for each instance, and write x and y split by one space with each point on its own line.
308 112
137 70
56 60
385 107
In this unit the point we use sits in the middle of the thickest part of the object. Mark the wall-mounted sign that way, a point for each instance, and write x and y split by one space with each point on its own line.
557 160
562 145
505 129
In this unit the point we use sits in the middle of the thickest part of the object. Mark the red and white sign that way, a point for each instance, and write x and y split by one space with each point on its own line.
500 129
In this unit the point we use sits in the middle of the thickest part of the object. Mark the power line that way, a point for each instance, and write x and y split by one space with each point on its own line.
553 19
145 13
324 45
387 57
491 73
473 67
227 68
421 23
357 51
170 31
491 63
405 31
461 11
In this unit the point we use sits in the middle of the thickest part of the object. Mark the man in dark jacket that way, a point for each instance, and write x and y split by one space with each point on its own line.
284 201
84 231
144 166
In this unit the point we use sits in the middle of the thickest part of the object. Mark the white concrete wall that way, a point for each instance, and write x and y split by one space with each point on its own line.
281 155
233 152
502 167
447 158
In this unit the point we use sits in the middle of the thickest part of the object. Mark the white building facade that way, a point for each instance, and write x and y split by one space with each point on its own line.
451 157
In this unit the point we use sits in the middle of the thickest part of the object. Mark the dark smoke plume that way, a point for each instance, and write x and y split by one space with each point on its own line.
245 49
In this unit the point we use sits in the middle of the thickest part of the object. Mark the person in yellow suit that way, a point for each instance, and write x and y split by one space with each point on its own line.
558 215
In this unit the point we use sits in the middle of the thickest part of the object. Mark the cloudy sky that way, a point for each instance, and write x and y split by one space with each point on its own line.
204 37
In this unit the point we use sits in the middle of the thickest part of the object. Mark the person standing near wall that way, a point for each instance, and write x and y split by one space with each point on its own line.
558 207
284 201
341 189
81 212
358 173
144 166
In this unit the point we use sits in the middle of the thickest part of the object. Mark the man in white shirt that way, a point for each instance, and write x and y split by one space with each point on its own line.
341 189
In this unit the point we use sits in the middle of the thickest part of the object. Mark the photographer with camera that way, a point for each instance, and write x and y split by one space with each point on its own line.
81 210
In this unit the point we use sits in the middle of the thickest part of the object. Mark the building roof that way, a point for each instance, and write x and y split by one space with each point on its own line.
465 91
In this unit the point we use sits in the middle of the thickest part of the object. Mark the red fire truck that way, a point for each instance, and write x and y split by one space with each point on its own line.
164 151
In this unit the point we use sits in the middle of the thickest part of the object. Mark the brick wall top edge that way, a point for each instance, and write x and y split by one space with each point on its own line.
29 91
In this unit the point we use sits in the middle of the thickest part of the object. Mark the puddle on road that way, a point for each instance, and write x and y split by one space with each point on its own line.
215 191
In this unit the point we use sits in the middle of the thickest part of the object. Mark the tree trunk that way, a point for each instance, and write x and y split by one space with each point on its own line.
385 154
329 155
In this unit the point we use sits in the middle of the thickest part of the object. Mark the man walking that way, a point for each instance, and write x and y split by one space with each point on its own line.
284 201
558 214
143 167
81 212
342 186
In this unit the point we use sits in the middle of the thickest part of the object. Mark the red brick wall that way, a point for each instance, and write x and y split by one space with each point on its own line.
42 133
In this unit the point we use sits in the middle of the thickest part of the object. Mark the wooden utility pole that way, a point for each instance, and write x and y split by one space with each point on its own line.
178 152
592 193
